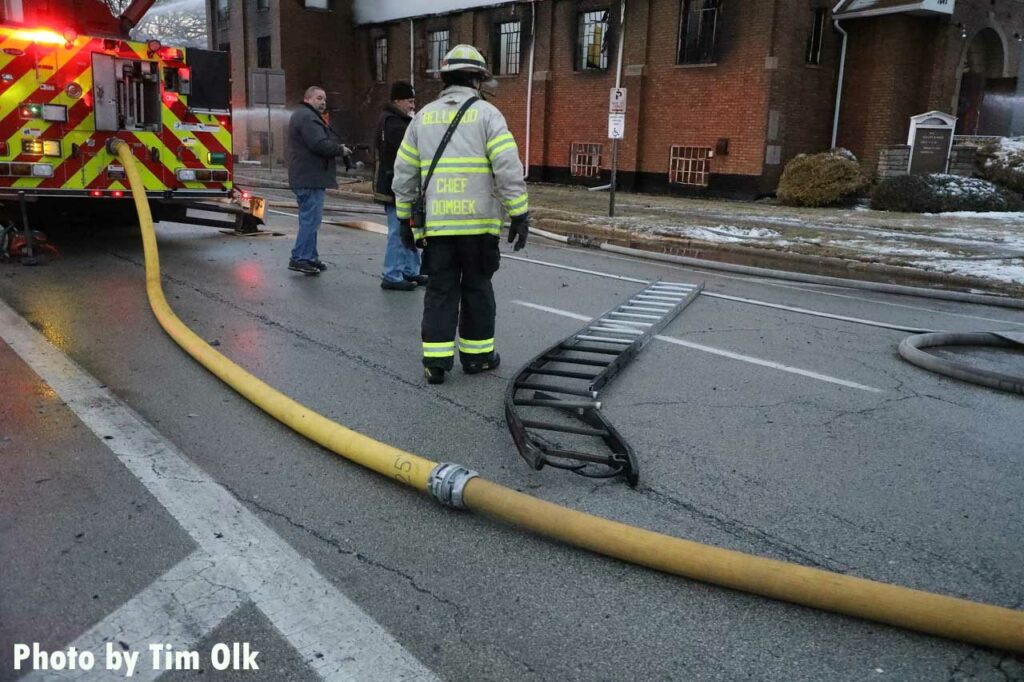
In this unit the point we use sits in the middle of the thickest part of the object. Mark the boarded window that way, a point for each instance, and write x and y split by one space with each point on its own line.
689 165
592 41
585 159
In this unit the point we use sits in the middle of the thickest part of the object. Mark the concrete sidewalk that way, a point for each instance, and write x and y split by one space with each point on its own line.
967 251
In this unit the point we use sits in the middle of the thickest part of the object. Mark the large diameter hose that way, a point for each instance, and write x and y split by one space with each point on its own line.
968 621
910 350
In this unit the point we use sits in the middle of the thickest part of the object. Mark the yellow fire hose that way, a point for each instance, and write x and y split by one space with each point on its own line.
959 619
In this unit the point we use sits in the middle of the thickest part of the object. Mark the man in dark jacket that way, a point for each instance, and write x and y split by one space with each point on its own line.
401 264
313 148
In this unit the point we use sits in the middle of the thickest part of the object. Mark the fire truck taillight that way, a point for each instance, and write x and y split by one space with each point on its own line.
117 193
185 175
42 170
30 111
220 176
95 193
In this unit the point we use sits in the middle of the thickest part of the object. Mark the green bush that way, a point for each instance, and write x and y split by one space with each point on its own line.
941 193
1003 164
821 179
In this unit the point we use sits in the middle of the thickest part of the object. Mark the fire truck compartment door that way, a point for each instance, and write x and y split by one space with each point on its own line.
211 88
104 86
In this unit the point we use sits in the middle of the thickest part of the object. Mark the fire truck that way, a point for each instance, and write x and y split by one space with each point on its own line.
71 79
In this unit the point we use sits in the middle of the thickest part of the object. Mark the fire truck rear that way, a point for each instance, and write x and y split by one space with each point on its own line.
71 80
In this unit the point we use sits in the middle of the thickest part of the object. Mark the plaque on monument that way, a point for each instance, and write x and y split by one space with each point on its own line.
931 138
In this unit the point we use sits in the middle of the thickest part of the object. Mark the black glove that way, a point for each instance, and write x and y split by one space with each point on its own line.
518 230
405 232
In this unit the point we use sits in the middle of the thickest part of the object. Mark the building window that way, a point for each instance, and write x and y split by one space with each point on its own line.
437 48
224 47
223 12
592 41
262 5
818 17
263 52
506 48
585 159
689 165
317 4
380 59
698 31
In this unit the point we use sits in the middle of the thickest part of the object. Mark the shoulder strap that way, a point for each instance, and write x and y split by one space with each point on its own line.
447 137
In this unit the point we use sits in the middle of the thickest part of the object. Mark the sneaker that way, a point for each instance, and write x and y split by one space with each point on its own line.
420 280
303 266
435 375
397 286
319 265
485 363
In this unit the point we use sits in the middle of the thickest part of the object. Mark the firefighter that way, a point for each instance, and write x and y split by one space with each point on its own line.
478 177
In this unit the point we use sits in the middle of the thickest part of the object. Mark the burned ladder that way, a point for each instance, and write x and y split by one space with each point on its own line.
563 382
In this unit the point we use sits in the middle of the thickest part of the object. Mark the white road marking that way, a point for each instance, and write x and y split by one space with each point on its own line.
180 608
810 288
333 635
724 353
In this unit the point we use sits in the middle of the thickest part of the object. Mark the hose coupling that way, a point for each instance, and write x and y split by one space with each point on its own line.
112 144
446 483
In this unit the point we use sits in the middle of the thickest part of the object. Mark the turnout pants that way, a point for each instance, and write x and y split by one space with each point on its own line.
459 294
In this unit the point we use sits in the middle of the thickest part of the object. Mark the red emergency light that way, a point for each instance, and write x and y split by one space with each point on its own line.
95 193
184 73
117 193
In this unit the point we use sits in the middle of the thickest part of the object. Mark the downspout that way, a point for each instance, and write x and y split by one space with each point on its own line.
412 53
529 85
842 71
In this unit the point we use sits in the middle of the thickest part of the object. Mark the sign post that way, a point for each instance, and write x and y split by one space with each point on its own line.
616 131
268 89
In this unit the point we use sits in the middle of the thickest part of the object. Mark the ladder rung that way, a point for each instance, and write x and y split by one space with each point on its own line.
648 310
646 317
633 322
577 361
562 373
666 306
615 330
659 298
607 460
544 426
603 339
522 386
564 404
583 348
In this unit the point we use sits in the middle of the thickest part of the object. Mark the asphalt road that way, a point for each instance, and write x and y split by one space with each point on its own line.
759 429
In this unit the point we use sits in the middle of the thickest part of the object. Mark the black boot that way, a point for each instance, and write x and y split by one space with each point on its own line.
435 375
481 364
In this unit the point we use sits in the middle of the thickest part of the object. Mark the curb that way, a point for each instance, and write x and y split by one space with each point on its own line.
591 236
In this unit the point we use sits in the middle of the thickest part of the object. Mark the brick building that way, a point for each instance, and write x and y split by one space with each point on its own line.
720 93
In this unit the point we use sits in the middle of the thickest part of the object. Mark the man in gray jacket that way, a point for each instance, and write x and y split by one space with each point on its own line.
313 149
478 178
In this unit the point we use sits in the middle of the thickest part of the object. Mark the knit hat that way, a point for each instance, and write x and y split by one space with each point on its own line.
402 90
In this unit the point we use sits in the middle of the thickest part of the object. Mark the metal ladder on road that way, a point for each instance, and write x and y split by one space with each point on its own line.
555 395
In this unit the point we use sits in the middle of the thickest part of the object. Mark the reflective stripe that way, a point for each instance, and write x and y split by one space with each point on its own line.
458 160
508 145
412 151
443 170
403 213
522 199
408 159
505 137
444 349
496 222
476 347
403 204
525 208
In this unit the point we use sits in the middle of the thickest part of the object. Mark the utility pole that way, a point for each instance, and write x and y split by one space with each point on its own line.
617 111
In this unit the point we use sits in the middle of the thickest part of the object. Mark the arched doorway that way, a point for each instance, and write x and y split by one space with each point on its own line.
984 106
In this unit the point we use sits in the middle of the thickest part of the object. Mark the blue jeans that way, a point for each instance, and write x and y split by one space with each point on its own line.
311 212
399 262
